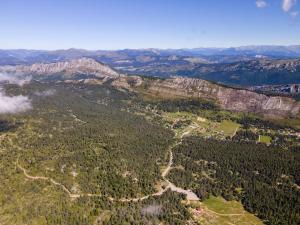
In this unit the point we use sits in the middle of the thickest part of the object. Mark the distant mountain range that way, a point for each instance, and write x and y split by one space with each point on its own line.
240 66
248 73
21 56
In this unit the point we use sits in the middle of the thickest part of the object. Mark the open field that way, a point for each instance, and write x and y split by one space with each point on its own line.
228 127
265 139
206 127
216 210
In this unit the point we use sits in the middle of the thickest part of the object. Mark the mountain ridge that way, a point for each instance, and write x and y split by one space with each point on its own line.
70 68
242 66
227 98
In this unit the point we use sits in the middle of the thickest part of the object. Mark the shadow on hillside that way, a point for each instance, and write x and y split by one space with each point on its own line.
6 126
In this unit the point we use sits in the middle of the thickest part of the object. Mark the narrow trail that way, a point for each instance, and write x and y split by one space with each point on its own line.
170 163
225 214
189 194
47 179
235 131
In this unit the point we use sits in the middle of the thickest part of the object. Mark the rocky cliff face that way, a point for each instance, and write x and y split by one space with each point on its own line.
228 98
66 69
127 82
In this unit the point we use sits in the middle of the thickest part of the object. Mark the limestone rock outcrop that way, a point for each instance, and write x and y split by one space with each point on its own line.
227 98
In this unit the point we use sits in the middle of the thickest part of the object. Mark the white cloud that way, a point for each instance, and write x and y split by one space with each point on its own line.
13 104
261 4
13 79
287 5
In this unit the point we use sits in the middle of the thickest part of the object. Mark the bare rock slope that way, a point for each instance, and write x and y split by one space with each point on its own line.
66 69
228 98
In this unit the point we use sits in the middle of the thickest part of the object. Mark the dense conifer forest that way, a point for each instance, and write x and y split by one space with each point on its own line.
265 179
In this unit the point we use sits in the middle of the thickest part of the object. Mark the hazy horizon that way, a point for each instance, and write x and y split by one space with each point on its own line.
154 48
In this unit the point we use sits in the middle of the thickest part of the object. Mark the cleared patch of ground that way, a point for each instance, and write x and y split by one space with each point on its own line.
265 139
205 126
228 127
217 210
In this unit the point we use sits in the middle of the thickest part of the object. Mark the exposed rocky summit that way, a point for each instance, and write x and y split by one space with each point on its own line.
66 69
127 82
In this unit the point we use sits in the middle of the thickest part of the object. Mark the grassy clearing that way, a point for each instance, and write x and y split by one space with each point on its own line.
228 127
172 116
264 139
220 205
206 127
216 210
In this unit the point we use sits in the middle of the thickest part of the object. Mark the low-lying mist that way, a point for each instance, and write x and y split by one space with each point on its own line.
13 104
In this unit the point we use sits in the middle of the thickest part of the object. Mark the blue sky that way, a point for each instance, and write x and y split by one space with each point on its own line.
119 24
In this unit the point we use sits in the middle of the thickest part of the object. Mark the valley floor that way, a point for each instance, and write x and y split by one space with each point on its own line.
96 155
